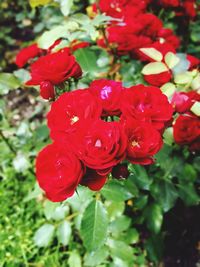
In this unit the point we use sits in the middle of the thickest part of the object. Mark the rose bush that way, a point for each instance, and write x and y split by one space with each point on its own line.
122 83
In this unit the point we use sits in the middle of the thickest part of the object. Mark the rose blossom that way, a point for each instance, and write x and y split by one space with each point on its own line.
147 104
26 54
69 111
102 146
109 92
54 68
144 141
187 131
58 172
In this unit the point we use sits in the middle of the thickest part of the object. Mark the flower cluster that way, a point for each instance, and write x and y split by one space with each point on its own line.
135 27
95 129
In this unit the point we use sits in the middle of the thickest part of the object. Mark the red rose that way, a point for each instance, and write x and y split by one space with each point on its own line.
103 146
47 90
158 79
187 131
143 142
189 6
194 62
151 24
109 92
27 53
147 104
182 102
93 180
170 3
58 172
55 68
70 110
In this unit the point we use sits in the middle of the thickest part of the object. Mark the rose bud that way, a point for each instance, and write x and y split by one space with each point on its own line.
120 171
47 90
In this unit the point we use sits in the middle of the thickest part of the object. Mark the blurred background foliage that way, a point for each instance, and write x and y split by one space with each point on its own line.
152 217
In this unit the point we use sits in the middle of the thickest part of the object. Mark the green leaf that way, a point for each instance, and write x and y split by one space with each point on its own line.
7 82
64 232
165 193
44 235
119 249
74 259
94 226
154 247
120 224
140 177
168 136
87 59
65 6
116 191
131 236
49 37
188 194
95 258
114 209
154 217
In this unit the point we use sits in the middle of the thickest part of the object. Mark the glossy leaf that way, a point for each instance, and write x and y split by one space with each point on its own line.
94 225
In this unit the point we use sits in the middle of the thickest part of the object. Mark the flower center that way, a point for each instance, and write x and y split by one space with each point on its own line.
74 119
134 143
106 90
98 143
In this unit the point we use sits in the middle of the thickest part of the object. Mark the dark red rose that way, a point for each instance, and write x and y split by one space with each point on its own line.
120 171
69 112
58 172
93 180
151 24
190 9
103 146
26 54
119 8
147 104
170 3
143 141
109 92
126 38
55 68
47 90
187 131
194 62
158 79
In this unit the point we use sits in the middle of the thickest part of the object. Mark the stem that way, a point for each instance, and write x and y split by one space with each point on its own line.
7 143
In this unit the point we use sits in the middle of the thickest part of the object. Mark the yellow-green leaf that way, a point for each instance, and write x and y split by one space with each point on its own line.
168 89
35 3
171 60
152 53
154 68
196 108
183 78
196 83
